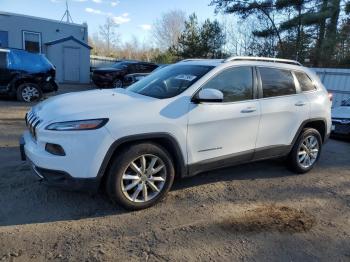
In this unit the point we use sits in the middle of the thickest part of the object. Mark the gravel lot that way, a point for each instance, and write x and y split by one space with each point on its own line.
254 212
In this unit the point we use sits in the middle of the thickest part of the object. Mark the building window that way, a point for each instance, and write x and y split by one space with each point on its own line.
32 42
3 39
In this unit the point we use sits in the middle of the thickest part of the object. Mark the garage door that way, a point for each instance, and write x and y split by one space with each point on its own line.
71 64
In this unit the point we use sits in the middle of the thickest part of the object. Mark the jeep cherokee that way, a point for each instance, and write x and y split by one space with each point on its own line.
193 116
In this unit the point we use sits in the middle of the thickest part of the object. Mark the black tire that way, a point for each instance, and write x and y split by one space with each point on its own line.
118 83
36 90
292 160
120 164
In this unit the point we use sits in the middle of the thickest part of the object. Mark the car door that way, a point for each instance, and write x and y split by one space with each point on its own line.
283 109
224 132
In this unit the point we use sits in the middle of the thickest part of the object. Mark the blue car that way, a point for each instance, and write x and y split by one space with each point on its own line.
25 76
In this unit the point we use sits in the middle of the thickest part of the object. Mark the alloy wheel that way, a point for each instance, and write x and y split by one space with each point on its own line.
118 83
144 178
308 151
30 93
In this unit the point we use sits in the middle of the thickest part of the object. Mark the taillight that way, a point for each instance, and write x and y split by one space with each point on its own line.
330 96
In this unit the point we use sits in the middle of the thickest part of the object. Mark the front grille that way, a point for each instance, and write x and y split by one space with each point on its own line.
32 122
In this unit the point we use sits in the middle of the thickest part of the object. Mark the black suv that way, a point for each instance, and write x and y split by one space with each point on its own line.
118 75
25 75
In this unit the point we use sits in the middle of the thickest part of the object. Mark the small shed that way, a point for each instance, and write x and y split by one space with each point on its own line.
71 58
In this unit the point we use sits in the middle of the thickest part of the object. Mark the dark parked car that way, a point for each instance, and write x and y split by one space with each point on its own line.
133 78
341 119
25 75
115 76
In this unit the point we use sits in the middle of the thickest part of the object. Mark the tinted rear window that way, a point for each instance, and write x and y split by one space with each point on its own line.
277 82
305 82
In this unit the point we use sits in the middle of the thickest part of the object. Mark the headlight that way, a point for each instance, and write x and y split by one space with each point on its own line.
78 125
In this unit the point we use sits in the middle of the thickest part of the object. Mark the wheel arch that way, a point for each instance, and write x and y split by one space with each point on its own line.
320 124
165 140
16 82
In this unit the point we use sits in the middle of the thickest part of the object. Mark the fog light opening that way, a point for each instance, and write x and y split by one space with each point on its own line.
55 149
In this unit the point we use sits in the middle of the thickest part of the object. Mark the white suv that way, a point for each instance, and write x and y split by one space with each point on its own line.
193 116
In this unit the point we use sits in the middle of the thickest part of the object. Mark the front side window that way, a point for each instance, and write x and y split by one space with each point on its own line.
305 82
169 81
276 82
235 83
32 42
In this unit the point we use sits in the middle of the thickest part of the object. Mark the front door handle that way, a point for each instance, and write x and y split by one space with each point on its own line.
300 103
248 110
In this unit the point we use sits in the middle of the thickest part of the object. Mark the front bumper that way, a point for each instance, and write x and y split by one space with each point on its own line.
58 178
51 86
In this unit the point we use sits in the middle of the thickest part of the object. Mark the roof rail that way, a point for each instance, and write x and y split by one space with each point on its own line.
263 59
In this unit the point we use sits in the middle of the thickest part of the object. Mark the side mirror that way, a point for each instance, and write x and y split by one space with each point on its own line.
208 95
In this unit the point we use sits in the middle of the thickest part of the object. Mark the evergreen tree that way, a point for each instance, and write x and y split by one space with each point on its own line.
200 40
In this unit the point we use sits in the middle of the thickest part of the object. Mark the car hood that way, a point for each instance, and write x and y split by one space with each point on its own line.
341 112
90 104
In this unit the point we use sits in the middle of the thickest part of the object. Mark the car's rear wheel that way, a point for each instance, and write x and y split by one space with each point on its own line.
306 151
117 83
140 176
29 92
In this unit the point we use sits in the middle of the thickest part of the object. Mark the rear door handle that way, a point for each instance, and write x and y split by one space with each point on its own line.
300 103
248 110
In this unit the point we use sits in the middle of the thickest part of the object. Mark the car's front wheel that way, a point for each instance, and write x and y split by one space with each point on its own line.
140 176
306 151
29 92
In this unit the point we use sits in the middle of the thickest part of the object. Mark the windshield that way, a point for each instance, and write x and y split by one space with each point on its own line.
120 65
29 62
170 81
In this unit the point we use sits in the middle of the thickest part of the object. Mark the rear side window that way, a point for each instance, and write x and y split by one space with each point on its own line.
305 82
276 82
235 83
3 59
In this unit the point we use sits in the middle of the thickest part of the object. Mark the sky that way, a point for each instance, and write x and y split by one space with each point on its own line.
134 17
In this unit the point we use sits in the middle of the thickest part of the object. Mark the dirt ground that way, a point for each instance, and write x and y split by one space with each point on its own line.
254 212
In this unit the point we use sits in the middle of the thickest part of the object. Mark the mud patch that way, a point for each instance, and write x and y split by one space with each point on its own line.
270 218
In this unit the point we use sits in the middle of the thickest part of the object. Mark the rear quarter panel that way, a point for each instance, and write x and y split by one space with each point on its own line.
320 104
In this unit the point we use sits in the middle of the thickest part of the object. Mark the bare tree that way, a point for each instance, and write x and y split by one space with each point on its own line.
109 34
168 28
